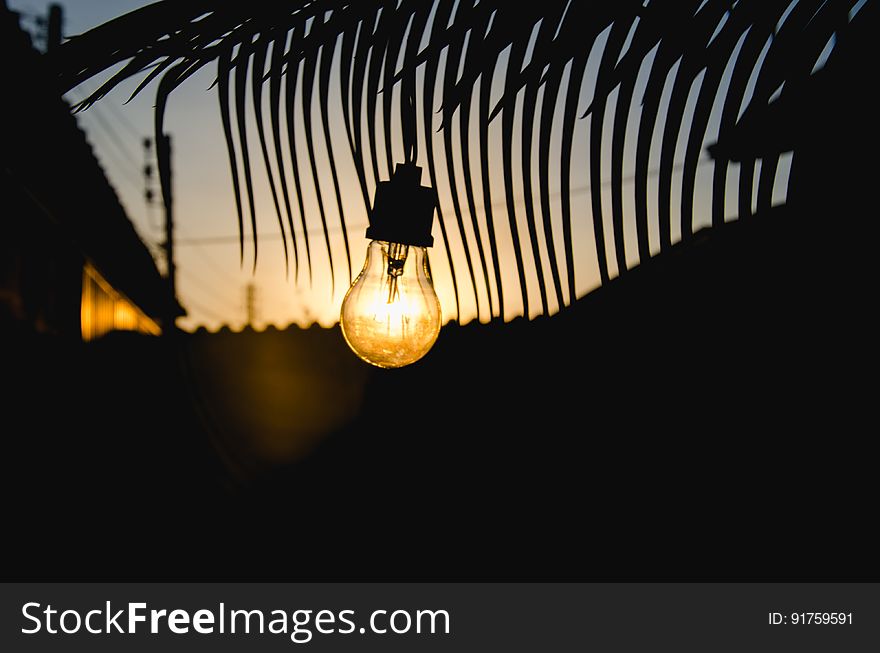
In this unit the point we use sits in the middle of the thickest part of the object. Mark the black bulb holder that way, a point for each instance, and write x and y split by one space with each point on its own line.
403 209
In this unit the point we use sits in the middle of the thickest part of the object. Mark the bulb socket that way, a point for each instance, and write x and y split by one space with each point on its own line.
403 209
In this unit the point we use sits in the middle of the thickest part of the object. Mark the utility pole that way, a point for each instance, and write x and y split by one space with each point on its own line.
54 27
163 157
149 193
250 303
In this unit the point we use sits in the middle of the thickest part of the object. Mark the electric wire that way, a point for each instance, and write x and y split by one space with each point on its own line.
124 121
205 311
578 190
112 134
203 285
126 164
205 256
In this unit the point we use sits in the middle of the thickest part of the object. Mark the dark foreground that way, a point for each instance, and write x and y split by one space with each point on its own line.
708 416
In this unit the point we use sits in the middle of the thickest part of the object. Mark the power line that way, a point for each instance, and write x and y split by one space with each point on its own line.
123 120
500 204
204 286
124 168
127 160
219 240
201 309
205 256
213 264
112 133
125 171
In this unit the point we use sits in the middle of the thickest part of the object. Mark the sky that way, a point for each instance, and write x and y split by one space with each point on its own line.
212 280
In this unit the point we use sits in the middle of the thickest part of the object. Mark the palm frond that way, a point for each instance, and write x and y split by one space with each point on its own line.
581 95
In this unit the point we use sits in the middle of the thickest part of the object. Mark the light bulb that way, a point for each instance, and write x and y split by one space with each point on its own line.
391 315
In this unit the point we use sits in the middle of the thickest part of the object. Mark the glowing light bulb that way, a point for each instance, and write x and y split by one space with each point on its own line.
391 315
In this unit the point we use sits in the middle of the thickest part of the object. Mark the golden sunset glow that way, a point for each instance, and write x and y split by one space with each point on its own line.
104 309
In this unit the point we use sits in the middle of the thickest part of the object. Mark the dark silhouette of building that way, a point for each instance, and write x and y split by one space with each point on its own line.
71 262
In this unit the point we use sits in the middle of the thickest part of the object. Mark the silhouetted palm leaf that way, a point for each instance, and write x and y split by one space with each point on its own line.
614 84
